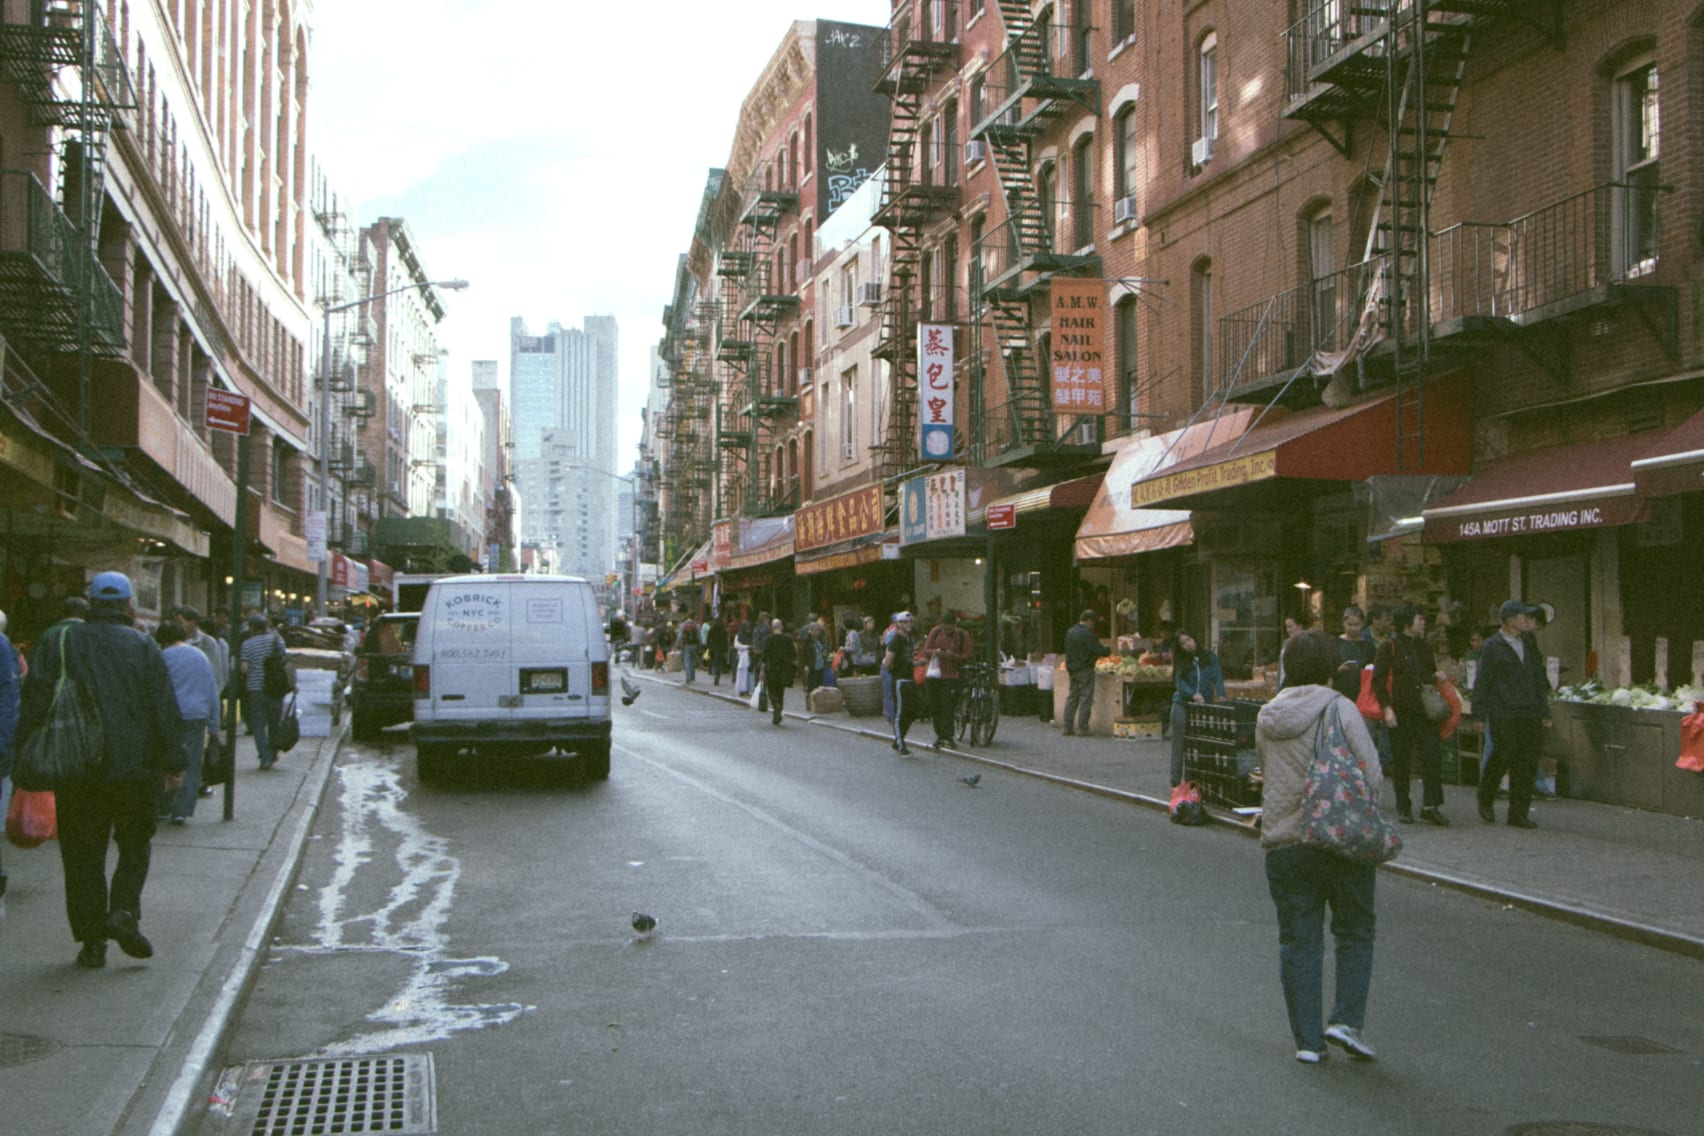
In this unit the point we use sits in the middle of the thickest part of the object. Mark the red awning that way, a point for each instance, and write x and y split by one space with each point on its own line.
1559 489
1322 444
1114 527
1675 464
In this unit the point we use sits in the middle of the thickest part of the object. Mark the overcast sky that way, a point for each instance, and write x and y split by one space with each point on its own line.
552 152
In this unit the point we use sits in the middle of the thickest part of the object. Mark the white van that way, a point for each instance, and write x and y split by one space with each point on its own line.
511 665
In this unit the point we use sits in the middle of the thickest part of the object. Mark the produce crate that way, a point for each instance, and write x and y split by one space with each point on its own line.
1219 753
1136 728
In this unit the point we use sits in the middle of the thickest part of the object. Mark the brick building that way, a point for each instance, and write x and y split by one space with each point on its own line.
1390 302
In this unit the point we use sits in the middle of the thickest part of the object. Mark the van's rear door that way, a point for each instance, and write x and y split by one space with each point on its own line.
472 645
553 669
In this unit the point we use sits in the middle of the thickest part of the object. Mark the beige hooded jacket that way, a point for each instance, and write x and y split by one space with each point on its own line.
1284 737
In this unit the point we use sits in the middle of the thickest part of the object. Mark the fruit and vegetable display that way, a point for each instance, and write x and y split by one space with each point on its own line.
1682 698
1144 666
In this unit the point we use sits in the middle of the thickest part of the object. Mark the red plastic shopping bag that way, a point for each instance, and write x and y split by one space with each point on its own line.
1447 728
31 819
1692 742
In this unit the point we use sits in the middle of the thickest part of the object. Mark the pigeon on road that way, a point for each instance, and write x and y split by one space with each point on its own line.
644 924
629 691
973 780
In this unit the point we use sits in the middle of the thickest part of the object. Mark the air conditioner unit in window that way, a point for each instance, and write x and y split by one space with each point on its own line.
869 294
804 377
843 316
1201 152
1124 209
975 152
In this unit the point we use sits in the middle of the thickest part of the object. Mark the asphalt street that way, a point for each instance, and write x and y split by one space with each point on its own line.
854 942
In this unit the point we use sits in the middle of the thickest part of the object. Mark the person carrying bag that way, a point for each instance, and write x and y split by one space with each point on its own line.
1324 837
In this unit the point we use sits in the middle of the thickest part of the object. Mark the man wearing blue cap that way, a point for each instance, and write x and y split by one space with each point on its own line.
121 670
1512 694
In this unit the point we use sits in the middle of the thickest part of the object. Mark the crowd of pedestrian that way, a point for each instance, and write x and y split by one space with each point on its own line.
154 702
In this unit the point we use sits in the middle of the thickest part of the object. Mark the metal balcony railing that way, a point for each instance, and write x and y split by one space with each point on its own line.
1281 332
1038 236
1027 424
911 31
1326 28
46 266
1551 256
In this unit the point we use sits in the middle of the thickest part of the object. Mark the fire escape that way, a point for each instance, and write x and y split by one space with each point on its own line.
916 60
686 431
1401 63
754 396
56 297
1028 92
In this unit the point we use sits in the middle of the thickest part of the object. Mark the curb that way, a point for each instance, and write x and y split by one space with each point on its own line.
197 1072
1663 939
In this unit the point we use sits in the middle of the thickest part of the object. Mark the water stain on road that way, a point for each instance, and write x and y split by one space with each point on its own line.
411 922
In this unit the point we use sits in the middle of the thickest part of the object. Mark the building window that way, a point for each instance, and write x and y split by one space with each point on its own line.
848 414
1123 21
1208 70
1083 60
1322 283
280 472
949 142
1124 158
949 277
1125 321
1083 208
809 150
1638 149
1047 200
1201 303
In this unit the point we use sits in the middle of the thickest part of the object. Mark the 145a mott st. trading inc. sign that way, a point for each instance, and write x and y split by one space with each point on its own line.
1479 522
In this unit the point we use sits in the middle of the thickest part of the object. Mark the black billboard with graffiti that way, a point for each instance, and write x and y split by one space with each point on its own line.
852 119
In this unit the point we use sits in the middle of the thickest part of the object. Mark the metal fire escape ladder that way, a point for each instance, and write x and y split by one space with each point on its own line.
1033 97
915 60
764 301
1426 58
71 77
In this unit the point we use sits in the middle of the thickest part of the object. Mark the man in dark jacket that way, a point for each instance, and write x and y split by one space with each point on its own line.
1082 649
125 677
780 661
1512 695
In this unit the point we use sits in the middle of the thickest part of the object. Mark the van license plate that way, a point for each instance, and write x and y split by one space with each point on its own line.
544 680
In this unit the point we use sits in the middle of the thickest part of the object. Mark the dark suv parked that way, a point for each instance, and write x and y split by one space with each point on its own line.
382 691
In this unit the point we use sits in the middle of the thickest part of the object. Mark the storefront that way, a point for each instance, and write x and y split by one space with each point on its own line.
847 560
1279 525
751 559
1136 560
1039 594
1546 526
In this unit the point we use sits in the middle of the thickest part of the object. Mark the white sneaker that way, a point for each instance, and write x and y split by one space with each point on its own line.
1349 1038
1310 1056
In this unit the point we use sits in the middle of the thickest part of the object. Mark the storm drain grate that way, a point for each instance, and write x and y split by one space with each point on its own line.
1636 1046
391 1094
21 1048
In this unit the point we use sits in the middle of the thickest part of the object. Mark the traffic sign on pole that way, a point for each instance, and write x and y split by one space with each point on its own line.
227 411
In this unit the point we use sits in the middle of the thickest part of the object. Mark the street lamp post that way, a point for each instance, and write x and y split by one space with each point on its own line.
325 414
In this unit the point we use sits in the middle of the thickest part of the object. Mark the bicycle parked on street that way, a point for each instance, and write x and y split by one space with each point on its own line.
978 712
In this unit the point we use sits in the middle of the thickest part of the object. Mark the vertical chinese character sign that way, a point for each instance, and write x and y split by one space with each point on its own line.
935 391
1079 344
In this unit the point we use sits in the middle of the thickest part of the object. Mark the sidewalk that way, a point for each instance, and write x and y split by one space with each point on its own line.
133 1048
1638 875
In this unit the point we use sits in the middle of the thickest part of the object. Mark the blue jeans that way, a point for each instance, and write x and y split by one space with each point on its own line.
262 714
1303 882
689 660
192 740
